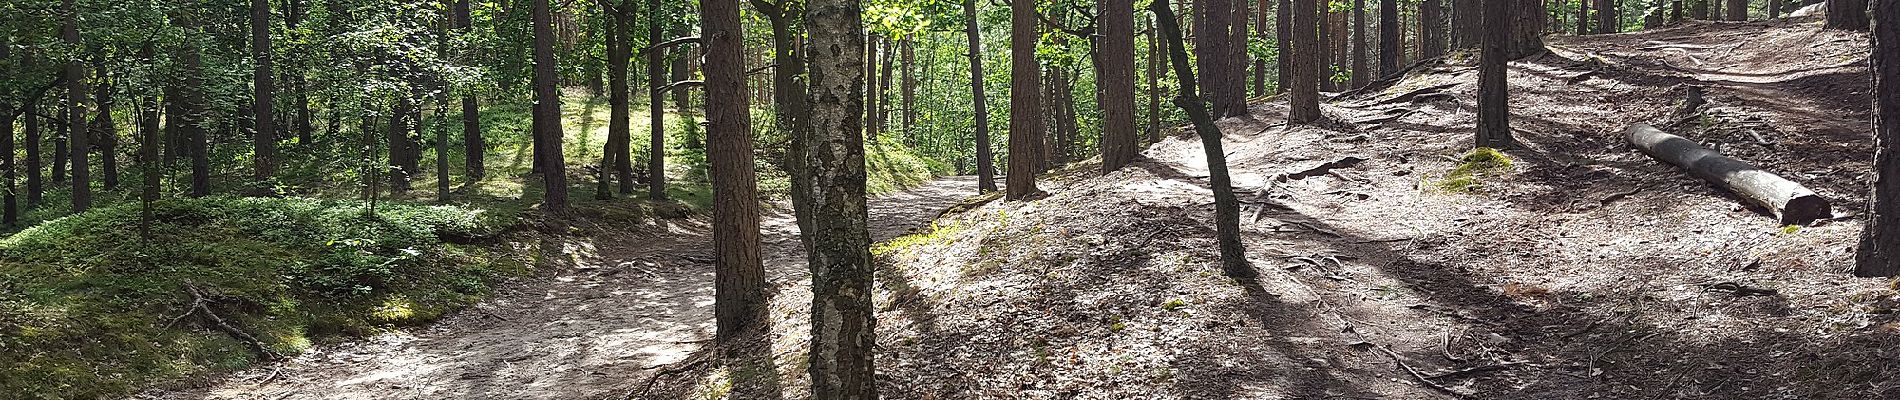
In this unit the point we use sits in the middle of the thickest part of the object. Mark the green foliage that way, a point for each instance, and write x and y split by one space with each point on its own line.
90 309
1466 177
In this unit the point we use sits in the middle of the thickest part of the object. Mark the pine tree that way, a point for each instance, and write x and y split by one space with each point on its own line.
1879 253
1025 102
1117 83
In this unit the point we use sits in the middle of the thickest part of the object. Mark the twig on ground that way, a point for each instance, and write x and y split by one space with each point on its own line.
1477 369
1446 348
1415 374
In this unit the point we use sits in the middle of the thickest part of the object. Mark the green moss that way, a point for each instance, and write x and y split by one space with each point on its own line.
89 308
1171 305
1472 168
937 233
1790 230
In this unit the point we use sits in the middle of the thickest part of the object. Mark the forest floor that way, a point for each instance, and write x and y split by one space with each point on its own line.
607 311
1583 270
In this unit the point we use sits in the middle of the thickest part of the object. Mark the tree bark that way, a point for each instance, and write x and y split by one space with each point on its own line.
400 147
1774 9
474 149
1360 73
1214 42
1526 29
1849 15
1259 64
1494 96
1025 127
76 113
1282 21
1737 10
547 111
1608 17
1583 17
909 88
1303 102
1699 9
873 96
265 145
843 338
1790 201
740 302
1154 82
619 103
1324 49
150 141
1467 23
985 157
1879 253
35 192
1226 206
1389 32
1117 82
790 106
105 131
656 104
1431 28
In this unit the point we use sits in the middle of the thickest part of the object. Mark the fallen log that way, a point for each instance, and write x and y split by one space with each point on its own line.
1793 203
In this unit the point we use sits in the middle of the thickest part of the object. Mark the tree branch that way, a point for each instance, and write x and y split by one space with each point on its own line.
670 43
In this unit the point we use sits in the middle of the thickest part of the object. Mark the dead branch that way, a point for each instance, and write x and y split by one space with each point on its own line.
670 43
1477 369
1416 375
688 364
202 307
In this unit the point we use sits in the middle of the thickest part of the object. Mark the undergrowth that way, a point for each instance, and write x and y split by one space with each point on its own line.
90 309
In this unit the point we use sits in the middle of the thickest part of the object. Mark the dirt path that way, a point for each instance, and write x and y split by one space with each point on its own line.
626 306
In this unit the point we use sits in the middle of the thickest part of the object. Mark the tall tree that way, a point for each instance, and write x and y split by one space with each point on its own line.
656 102
1221 60
265 141
1155 69
1431 29
547 111
1261 16
1282 28
1583 18
1025 101
1737 10
985 157
909 48
1466 22
474 149
1526 29
35 191
843 340
105 130
1226 205
1390 44
1117 83
1360 73
1494 126
1848 15
741 302
76 112
873 107
1879 253
149 143
1607 16
615 157
1699 9
790 109
1303 102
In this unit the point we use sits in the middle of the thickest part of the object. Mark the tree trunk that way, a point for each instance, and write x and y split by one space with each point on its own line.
740 303
1526 29
1360 74
985 157
1583 17
873 95
1303 102
1850 15
105 131
76 114
619 102
1699 9
64 136
909 48
884 78
1879 253
1608 17
1282 21
1715 10
1259 64
1226 205
1214 23
1326 66
1117 82
474 150
400 147
150 141
1431 28
1389 32
683 99
1154 83
1467 23
1675 10
547 111
1494 96
35 191
1774 9
265 145
790 108
843 340
1025 100
656 104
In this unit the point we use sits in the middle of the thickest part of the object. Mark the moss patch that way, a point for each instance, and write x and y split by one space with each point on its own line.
1472 168
90 309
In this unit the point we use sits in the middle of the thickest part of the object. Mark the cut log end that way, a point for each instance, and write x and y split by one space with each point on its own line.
1805 209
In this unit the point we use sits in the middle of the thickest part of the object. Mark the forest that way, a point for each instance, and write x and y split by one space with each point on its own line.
949 199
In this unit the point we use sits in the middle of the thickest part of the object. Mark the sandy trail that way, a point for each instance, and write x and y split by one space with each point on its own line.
620 308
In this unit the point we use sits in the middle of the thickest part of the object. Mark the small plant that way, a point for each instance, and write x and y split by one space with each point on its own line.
1790 230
